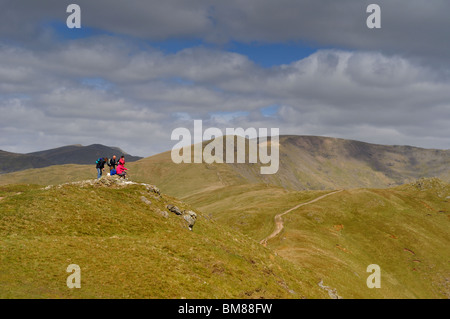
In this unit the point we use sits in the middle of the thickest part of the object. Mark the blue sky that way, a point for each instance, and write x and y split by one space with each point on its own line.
263 54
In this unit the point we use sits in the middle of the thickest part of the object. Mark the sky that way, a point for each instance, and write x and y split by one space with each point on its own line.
136 70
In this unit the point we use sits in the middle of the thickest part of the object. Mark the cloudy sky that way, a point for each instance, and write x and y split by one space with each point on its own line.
138 69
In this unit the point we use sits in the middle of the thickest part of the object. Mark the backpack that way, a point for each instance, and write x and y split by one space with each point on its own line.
100 159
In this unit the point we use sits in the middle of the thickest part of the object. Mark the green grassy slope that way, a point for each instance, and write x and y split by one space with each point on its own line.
405 230
127 249
10 162
312 162
51 175
249 208
306 162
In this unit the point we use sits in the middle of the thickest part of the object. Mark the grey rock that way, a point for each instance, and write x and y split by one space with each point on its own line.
163 213
190 217
153 189
174 209
145 200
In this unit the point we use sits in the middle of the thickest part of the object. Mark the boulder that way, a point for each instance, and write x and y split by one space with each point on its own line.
190 217
174 209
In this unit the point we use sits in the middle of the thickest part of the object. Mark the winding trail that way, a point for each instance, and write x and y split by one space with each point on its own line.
279 221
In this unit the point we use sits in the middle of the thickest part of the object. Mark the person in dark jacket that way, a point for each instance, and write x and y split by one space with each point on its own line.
101 166
112 163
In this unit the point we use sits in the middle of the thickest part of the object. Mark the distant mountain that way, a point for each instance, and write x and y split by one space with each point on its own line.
313 162
11 162
71 154
77 154
306 162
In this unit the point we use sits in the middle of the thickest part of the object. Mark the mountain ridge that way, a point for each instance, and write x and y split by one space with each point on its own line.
69 154
306 162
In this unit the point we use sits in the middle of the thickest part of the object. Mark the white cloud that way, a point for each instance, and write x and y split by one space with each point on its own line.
47 101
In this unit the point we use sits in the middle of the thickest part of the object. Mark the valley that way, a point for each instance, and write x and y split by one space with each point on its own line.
340 206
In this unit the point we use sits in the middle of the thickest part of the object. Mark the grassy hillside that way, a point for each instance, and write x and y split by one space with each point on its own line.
126 248
51 175
306 162
333 163
405 230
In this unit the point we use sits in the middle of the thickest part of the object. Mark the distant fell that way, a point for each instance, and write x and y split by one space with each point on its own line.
70 154
306 162
77 154
313 162
11 162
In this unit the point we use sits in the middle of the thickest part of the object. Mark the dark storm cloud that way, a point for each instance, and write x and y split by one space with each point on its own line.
414 27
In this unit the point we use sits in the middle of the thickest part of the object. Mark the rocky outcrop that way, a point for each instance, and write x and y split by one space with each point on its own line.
190 217
442 189
105 181
174 209
153 189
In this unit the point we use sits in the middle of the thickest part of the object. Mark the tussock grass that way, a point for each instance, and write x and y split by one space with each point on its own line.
126 249
405 230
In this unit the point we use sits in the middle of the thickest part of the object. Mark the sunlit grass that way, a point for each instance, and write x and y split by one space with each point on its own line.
127 250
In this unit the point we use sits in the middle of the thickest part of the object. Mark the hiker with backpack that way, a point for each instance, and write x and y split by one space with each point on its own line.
100 165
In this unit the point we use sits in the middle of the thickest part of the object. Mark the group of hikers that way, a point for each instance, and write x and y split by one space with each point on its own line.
112 163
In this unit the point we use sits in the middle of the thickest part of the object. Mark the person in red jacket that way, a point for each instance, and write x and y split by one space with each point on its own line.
121 169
